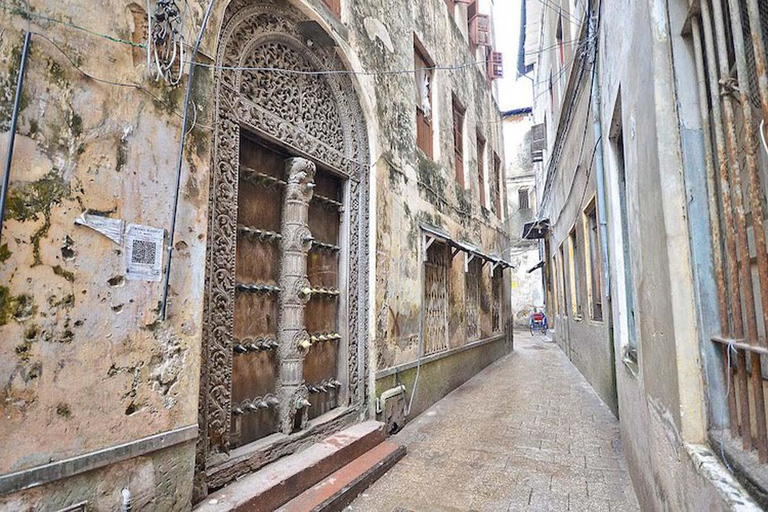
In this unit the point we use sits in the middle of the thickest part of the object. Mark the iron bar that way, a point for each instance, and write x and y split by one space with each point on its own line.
714 218
739 219
734 327
12 130
740 344
758 230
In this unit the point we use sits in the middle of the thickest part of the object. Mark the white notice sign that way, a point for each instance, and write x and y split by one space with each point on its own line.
143 252
107 226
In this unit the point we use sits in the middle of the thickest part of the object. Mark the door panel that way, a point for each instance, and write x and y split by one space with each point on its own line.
259 252
254 363
322 313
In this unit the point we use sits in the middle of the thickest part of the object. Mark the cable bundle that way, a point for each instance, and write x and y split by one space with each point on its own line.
165 48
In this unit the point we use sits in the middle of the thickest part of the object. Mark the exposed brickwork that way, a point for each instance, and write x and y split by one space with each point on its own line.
528 433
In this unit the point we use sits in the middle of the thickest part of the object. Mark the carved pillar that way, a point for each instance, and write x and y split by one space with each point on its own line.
295 292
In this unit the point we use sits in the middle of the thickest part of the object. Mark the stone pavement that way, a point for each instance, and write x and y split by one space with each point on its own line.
527 433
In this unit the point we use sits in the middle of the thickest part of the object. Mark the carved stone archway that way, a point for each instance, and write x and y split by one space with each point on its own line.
315 116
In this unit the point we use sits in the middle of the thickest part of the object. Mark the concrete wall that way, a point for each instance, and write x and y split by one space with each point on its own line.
87 363
661 398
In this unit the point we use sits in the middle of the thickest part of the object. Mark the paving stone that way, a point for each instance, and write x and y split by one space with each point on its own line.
526 434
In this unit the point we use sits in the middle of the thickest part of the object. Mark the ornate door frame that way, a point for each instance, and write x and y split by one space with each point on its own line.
317 117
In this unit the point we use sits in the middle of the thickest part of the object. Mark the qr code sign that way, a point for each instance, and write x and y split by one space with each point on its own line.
143 252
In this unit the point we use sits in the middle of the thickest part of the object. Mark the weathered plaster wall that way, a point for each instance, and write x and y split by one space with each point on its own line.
159 482
572 187
413 189
86 361
660 399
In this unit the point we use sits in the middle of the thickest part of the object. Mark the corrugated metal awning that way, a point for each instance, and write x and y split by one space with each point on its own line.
441 235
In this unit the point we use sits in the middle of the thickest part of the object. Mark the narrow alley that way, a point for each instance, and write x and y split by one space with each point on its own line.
287 255
527 433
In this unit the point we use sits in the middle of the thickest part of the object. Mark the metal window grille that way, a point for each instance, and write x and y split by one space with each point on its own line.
733 101
436 299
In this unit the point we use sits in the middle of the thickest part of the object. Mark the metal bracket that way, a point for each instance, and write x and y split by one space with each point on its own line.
468 257
428 241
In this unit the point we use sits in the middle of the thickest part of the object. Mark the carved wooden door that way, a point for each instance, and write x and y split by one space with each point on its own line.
286 334
436 299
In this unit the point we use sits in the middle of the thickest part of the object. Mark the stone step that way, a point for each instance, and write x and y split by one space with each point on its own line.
283 480
339 489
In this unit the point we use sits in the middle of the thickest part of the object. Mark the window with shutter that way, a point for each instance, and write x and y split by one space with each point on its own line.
480 30
423 98
538 141
496 185
458 140
495 65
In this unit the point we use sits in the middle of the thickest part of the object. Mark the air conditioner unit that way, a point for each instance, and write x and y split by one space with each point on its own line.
537 156
480 30
495 65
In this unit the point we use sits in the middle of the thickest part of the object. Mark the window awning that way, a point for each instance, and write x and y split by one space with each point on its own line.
535 230
434 233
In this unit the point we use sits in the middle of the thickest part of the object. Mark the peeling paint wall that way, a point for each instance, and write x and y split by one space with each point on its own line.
413 189
86 361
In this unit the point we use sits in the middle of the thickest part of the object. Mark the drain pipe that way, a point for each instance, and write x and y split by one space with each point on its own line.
600 178
599 162
180 161
12 132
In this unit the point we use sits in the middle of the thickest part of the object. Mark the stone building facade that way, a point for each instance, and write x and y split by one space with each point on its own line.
653 108
332 203
527 284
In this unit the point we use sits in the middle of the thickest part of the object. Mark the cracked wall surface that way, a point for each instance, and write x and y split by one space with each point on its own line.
86 361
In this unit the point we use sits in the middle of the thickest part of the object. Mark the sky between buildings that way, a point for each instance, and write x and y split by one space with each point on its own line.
513 92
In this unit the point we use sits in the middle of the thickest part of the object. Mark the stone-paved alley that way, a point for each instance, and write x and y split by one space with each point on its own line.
527 433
